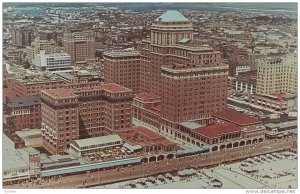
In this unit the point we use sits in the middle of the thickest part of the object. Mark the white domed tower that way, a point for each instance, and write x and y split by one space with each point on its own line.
170 28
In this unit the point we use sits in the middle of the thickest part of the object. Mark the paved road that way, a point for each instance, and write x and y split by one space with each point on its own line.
172 165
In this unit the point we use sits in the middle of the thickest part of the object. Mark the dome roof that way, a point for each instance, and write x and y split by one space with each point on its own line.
172 16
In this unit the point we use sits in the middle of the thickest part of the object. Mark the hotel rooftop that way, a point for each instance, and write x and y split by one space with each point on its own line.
63 93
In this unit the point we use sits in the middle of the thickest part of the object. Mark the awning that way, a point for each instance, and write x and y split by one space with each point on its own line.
132 147
286 133
194 150
88 167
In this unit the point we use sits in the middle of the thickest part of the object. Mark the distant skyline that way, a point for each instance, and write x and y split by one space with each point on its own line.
168 5
38 9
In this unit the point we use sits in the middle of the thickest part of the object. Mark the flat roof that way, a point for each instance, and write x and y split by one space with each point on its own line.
147 132
146 96
145 137
30 150
62 54
282 125
274 96
20 101
190 125
65 75
82 83
30 132
98 140
111 87
38 81
214 130
236 117
87 167
72 92
122 53
61 93
10 157
32 137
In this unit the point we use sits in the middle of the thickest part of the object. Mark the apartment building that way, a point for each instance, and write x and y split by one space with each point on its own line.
23 112
22 37
80 46
33 87
277 74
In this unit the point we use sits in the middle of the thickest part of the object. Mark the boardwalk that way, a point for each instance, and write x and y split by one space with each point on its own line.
149 169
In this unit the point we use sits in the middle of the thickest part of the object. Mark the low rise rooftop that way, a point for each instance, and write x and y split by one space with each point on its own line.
281 125
236 117
215 130
144 137
122 53
190 125
32 137
65 93
147 133
146 96
10 157
61 93
97 140
180 68
22 101
111 87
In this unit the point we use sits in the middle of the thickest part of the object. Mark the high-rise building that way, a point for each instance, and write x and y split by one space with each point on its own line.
189 78
80 46
22 37
123 68
38 45
193 93
277 74
171 42
70 114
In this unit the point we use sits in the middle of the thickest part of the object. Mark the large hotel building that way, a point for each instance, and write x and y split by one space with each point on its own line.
174 80
71 114
190 79
193 93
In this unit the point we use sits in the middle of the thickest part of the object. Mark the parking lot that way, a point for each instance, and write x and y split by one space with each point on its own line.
276 170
